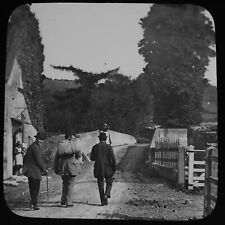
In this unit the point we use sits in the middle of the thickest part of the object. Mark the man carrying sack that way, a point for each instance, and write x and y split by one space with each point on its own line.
34 168
104 167
67 165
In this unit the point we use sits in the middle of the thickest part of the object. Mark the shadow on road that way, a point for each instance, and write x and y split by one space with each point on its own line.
24 206
86 203
86 181
21 205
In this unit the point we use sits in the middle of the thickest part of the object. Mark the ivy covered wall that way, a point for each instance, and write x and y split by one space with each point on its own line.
25 43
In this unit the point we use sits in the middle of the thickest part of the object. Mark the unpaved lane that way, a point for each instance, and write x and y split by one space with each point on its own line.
86 198
134 196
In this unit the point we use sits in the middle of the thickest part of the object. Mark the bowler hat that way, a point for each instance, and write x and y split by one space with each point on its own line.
102 135
40 136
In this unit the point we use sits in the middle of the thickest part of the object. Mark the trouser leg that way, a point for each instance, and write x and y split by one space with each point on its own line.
64 189
34 187
109 181
101 188
69 196
31 190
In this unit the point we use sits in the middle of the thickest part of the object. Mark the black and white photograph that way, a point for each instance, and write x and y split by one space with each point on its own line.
110 112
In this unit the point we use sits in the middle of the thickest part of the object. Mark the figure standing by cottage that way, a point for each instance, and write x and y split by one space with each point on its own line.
18 157
34 168
67 165
104 167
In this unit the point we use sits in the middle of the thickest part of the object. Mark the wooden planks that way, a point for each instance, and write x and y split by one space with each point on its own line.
211 180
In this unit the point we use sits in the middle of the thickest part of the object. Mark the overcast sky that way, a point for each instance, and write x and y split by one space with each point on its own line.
94 37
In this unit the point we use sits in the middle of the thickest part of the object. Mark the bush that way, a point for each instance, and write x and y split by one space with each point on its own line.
201 136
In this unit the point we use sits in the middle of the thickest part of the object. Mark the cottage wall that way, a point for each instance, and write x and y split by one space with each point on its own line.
14 105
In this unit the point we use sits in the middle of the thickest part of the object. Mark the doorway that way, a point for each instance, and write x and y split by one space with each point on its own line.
16 136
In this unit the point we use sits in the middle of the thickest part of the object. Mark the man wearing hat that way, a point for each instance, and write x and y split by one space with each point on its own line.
105 129
104 167
67 165
34 168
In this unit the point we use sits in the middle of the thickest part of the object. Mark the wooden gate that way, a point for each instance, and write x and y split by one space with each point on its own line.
195 168
211 180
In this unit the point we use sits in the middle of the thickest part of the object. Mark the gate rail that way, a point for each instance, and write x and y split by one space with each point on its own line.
194 169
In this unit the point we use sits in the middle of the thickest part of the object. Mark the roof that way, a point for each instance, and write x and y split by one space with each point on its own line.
20 121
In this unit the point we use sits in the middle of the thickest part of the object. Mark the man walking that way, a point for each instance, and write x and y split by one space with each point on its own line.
67 165
34 167
104 167
105 129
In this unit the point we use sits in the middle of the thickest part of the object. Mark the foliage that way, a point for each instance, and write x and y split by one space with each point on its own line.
200 137
176 46
106 97
24 39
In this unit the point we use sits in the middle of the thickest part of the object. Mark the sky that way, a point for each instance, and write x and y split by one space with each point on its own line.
95 37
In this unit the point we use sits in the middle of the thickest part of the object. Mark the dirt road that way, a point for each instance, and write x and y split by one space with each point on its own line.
134 195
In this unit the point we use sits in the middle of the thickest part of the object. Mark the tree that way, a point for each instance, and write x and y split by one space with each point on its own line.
121 102
24 39
176 46
77 102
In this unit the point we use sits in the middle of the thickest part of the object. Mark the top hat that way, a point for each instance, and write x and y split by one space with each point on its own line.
40 136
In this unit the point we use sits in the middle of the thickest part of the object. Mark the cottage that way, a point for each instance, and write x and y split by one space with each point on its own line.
17 123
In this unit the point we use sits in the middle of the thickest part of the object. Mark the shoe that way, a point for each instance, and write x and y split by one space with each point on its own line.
35 208
106 200
63 204
107 195
102 203
70 205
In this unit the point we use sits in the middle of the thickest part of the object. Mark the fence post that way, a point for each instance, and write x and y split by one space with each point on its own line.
207 182
152 155
181 166
191 167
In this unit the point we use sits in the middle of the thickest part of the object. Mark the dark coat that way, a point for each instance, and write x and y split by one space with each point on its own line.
32 161
105 162
68 163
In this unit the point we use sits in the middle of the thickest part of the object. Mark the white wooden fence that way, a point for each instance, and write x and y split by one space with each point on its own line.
194 169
